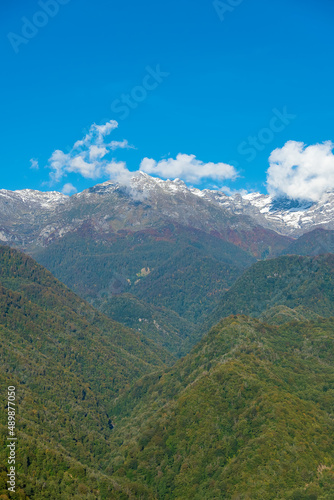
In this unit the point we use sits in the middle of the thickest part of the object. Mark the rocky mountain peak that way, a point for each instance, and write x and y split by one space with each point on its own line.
146 200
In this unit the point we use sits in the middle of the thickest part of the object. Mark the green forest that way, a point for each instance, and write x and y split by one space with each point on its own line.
108 411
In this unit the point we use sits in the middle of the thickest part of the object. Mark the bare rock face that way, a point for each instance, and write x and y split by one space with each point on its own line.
37 218
31 218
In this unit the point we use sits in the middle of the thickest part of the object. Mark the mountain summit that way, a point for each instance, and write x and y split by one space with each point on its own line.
34 217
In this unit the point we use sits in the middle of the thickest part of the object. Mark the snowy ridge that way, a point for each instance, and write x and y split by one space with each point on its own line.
285 216
30 197
292 216
173 198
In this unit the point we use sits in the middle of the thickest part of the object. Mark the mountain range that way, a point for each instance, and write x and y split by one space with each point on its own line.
159 249
122 282
51 215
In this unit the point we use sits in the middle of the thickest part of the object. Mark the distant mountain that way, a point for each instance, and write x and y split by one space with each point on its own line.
316 242
286 216
166 245
247 414
292 281
174 267
32 219
68 363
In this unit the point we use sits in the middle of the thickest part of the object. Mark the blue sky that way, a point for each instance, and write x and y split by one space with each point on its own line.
225 74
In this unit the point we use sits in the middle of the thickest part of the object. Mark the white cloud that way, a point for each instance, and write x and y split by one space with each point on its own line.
69 189
104 130
188 168
119 172
96 134
120 145
97 152
89 170
88 156
301 172
34 164
231 192
57 164
91 157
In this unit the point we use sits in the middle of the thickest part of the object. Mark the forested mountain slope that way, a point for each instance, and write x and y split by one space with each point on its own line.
316 242
68 363
164 326
179 268
292 281
247 414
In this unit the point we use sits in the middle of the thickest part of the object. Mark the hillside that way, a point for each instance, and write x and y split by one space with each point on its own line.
181 269
163 326
291 281
247 414
278 315
316 242
68 362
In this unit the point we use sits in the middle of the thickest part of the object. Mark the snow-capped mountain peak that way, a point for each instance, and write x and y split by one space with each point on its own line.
30 215
45 199
288 216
